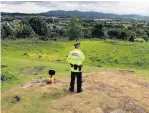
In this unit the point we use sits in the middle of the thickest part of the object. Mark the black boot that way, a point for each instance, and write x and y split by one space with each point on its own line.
71 89
79 91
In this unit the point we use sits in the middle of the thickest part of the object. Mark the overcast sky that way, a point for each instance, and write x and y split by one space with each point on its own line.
118 7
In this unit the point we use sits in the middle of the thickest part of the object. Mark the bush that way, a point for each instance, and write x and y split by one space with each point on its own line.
38 25
123 35
6 31
87 32
97 31
6 77
15 99
45 38
3 33
140 32
22 31
114 33
132 36
139 40
145 37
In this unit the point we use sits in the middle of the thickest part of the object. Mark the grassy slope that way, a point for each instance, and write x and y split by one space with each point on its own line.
112 54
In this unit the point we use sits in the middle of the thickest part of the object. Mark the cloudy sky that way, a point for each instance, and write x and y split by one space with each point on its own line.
118 7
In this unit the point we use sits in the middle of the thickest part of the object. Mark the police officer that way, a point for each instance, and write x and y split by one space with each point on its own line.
75 58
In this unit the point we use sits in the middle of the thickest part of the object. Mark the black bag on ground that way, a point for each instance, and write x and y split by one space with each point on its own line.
51 72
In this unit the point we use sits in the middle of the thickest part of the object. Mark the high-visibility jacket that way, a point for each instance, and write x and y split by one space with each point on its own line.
76 57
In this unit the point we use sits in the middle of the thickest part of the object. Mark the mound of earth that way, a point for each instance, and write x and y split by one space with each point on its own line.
113 91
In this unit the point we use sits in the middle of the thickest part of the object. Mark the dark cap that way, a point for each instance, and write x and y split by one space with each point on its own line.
77 44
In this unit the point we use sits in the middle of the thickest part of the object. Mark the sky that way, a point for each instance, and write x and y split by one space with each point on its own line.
118 7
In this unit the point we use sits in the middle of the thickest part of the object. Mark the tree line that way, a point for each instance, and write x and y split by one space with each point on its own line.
75 28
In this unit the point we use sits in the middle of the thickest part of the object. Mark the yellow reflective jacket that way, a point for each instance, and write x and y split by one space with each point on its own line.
76 56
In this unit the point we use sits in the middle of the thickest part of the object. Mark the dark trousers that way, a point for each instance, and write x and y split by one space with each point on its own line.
79 81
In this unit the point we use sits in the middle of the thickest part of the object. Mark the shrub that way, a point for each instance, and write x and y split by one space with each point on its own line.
145 37
114 33
139 40
132 36
38 25
6 31
6 77
97 31
22 31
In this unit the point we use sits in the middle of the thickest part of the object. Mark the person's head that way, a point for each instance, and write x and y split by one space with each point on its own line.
77 45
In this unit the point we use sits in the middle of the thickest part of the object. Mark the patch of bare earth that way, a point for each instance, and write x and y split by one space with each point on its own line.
104 92
32 70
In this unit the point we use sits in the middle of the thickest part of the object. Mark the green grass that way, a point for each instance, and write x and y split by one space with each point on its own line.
19 69
143 73
99 55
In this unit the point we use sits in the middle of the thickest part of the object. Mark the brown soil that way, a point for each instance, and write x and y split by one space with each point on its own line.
113 91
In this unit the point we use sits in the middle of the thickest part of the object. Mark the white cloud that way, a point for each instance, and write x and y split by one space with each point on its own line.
27 7
132 7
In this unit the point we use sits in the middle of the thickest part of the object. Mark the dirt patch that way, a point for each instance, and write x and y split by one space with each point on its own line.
144 84
55 94
118 111
121 86
43 82
32 71
99 86
111 91
141 83
35 83
130 105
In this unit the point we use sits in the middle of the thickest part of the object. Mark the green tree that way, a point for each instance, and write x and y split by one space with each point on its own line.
140 32
123 35
74 29
25 20
114 33
38 25
147 32
132 36
3 33
6 31
22 31
97 31
87 32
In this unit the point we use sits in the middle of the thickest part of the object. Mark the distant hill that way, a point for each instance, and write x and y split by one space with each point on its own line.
89 14
16 14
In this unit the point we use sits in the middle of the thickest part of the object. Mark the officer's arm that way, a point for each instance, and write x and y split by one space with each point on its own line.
82 56
69 58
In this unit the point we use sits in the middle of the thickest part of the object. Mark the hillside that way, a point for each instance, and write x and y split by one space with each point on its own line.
88 15
109 91
92 14
115 77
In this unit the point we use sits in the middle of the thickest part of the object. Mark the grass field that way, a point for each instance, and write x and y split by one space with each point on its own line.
27 60
24 60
